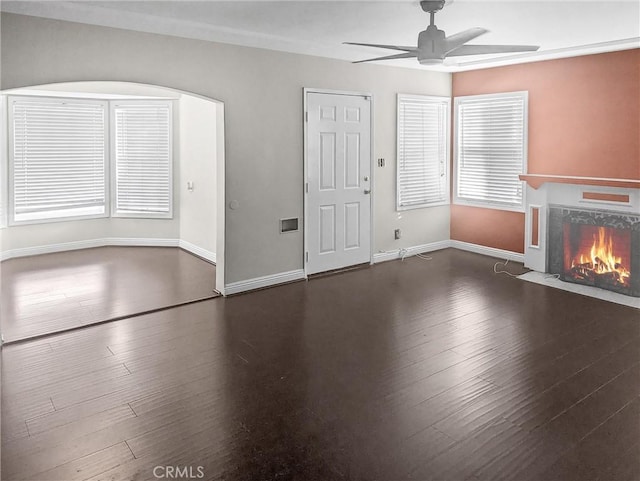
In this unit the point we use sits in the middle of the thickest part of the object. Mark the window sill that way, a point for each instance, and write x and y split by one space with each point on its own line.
422 206
480 205
52 220
133 215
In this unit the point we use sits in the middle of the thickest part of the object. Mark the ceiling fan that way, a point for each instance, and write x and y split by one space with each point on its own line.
434 45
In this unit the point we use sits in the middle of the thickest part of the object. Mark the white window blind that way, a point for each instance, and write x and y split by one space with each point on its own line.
491 149
57 158
423 151
142 155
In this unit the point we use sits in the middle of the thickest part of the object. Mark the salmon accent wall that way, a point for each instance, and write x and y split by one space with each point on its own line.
584 120
500 229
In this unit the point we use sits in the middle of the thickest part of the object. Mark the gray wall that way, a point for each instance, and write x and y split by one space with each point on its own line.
262 92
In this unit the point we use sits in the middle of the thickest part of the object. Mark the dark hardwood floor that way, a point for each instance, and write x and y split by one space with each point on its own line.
422 370
56 292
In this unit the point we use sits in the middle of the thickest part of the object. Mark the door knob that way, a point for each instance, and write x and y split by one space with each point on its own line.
367 191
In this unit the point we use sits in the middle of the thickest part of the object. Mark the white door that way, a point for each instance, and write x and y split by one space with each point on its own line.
338 200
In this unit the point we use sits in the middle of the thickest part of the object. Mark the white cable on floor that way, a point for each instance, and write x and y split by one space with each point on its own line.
504 264
403 253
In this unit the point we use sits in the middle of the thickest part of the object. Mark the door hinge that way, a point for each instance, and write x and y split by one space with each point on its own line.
306 116
306 257
306 187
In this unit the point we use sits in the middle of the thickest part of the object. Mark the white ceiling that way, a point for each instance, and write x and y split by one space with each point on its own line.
561 28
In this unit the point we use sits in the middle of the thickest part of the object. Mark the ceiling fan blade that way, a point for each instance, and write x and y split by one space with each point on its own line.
458 39
486 49
392 47
391 57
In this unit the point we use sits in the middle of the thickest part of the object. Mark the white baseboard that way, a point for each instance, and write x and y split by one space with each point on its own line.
410 251
198 251
488 251
141 242
109 241
87 244
265 281
50 248
434 246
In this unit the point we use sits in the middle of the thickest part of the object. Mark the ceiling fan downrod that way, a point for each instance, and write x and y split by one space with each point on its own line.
431 7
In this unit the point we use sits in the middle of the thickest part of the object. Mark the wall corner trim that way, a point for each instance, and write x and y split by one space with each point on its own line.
410 251
197 251
488 251
264 281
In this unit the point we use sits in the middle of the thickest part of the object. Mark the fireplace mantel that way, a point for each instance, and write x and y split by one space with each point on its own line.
620 196
536 180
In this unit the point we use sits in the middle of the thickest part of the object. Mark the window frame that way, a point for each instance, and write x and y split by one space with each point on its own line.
7 204
446 198
4 161
488 204
9 181
113 165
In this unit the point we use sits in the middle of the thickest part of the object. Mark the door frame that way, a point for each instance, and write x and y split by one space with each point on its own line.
305 92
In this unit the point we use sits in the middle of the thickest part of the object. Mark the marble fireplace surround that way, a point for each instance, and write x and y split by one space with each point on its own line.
620 196
558 217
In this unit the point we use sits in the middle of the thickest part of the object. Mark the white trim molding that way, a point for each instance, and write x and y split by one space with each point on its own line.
410 251
197 251
109 241
488 251
87 244
140 242
265 281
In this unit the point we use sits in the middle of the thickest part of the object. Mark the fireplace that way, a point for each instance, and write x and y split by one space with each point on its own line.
584 230
595 247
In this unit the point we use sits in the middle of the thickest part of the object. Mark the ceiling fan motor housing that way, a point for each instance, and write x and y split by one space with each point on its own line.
432 5
431 46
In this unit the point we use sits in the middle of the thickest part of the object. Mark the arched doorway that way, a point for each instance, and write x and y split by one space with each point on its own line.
197 224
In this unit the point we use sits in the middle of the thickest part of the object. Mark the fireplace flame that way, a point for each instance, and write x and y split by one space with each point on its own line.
601 259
